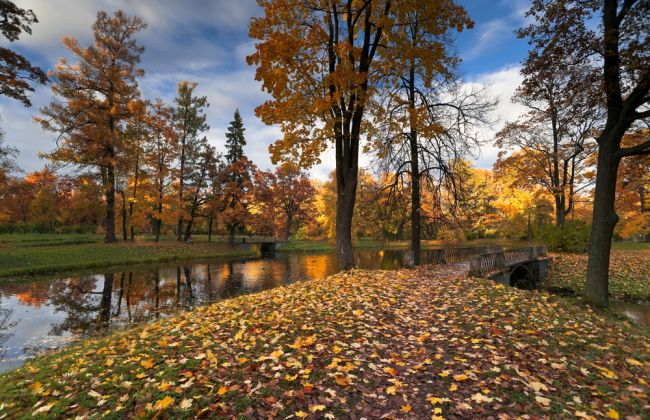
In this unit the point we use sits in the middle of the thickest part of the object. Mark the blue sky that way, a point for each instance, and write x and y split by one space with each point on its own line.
206 41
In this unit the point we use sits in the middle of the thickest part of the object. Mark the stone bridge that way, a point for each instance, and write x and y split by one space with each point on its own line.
524 268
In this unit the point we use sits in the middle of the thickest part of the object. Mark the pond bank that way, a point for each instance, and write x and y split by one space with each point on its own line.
32 260
365 343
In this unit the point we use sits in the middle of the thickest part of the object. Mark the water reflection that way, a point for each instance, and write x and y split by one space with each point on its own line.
43 314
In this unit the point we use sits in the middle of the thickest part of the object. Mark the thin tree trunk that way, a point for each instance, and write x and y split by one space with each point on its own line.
135 192
210 220
179 230
109 191
603 223
287 228
231 234
124 223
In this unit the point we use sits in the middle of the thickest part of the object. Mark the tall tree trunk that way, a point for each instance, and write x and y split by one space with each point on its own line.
287 228
210 221
603 222
188 229
109 191
559 210
415 175
136 177
179 230
231 234
124 222
344 211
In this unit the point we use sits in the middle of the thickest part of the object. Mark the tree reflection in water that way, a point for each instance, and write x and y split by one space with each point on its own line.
5 324
89 305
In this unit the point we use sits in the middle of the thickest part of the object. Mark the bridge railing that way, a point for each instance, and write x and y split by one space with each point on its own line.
463 254
480 265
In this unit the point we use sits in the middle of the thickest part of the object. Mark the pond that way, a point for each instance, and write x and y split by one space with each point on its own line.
37 315
42 314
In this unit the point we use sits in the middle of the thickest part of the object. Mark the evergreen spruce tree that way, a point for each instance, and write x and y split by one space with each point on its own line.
235 139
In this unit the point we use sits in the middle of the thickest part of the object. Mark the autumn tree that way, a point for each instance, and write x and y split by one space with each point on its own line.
237 192
159 156
239 177
552 142
136 138
17 74
93 101
203 163
320 62
618 51
290 197
190 120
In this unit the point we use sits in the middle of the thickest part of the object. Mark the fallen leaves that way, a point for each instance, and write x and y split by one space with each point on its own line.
411 343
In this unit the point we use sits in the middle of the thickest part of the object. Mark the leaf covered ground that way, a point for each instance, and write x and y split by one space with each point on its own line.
424 343
629 274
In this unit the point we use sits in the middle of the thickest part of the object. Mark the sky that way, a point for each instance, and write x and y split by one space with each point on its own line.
206 41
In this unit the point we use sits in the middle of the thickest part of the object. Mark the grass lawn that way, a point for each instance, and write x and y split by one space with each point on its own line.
405 344
629 274
29 257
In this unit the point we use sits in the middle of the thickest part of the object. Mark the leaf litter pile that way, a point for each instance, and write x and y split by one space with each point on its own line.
423 343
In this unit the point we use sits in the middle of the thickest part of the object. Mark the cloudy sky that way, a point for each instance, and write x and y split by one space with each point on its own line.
206 41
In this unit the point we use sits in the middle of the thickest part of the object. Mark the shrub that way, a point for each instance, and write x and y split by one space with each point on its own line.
570 237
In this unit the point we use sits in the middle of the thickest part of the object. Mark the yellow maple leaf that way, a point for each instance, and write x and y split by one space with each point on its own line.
453 387
109 362
612 414
147 364
391 371
316 407
300 414
391 390
290 378
342 380
36 387
405 408
222 390
186 403
239 335
358 312
164 403
461 377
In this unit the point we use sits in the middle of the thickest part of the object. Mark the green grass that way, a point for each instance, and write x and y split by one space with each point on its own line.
28 258
357 344
630 246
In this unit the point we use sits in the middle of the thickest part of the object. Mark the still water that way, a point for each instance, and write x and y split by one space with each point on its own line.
37 315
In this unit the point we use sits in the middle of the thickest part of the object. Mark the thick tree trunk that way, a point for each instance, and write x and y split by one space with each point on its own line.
210 221
109 191
415 200
603 223
344 212
415 174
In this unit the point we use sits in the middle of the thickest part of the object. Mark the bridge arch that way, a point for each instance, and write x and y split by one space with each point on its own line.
521 277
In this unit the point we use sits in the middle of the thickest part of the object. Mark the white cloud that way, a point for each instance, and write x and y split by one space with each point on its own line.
216 61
